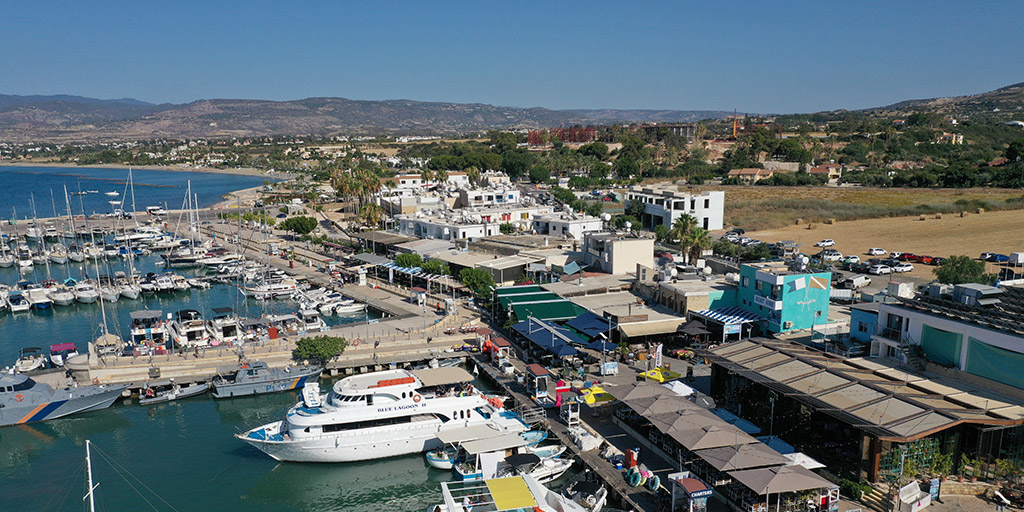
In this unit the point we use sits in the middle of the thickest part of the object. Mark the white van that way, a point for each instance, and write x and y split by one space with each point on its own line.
857 281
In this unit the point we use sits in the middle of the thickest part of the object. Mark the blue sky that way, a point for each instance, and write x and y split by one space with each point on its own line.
752 56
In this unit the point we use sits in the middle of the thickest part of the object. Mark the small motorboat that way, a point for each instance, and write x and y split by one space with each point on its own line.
551 451
113 193
443 458
31 358
60 353
151 395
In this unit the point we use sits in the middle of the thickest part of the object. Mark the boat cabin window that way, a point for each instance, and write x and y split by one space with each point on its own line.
403 395
483 413
306 430
442 417
356 425
24 385
369 399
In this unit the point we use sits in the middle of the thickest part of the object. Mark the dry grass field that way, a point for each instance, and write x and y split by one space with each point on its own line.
755 208
999 231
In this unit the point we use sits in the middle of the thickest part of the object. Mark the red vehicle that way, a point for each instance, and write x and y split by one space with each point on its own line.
907 257
927 260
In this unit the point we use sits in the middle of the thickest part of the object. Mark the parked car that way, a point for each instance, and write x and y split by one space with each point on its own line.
853 258
895 254
985 256
861 268
938 261
890 262
738 231
831 255
663 254
907 256
879 270
998 258
876 251
926 260
828 242
904 266
854 282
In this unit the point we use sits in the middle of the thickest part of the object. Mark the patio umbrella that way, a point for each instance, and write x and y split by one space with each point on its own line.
711 437
563 350
693 328
730 458
666 404
779 479
686 419
637 391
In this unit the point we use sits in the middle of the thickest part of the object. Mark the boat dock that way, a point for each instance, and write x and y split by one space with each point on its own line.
629 498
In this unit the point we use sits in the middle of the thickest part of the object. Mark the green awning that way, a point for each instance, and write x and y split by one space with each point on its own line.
549 310
516 290
526 297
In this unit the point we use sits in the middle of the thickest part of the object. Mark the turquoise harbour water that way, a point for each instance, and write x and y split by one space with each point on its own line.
152 188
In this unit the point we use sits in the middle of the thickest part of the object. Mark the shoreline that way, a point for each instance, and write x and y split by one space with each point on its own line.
209 170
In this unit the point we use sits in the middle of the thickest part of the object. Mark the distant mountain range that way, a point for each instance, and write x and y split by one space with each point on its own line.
35 118
75 118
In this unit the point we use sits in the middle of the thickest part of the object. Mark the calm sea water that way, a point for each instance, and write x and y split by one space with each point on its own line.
152 188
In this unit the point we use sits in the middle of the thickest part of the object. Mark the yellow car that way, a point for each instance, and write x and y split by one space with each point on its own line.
661 374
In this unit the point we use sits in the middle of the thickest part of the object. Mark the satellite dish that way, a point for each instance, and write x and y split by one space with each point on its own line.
606 217
629 225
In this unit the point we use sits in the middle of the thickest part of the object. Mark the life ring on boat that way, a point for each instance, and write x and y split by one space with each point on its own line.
416 398
19 397
634 479
355 343
96 381
653 483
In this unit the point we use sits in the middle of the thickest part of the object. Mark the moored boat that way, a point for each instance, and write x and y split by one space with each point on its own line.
256 378
27 401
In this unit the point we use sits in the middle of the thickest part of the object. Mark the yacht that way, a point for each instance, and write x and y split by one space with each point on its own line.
224 328
505 494
33 234
148 328
85 292
188 329
164 283
111 252
24 255
50 233
17 302
58 254
61 295
93 252
257 378
349 307
40 257
380 414
108 290
126 287
27 401
310 321
180 282
112 193
6 258
272 289
184 257
75 253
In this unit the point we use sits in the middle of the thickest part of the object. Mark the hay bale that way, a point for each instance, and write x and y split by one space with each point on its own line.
832 221
811 225
963 214
799 221
924 217
938 215
980 210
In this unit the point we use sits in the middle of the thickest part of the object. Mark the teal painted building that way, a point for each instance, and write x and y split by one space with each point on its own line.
787 299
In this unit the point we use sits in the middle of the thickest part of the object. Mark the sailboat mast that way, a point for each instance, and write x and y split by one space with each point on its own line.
88 465
131 186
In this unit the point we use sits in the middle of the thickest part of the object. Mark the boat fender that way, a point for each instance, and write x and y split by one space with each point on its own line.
591 500
416 398
96 380
654 482
634 479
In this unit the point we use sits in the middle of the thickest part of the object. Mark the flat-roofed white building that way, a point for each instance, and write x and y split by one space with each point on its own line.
467 222
664 204
491 196
566 224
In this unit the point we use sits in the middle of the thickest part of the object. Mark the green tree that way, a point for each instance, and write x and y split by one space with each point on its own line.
595 209
756 253
621 220
436 267
515 164
661 233
372 214
635 209
539 174
478 280
507 228
683 225
408 259
320 349
1015 151
301 225
962 269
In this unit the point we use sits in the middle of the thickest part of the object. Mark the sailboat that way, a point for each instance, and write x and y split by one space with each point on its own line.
6 258
127 285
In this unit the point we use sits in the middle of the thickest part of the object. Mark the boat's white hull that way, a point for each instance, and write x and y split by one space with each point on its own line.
87 298
59 260
62 299
130 291
6 262
417 437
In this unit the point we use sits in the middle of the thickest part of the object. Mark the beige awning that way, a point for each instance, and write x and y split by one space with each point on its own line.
636 329
462 434
781 479
494 444
442 376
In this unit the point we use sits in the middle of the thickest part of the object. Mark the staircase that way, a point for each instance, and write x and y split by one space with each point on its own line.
910 354
877 500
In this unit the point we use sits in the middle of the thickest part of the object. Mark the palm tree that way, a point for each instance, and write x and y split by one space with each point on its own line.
372 214
473 174
682 226
441 175
696 241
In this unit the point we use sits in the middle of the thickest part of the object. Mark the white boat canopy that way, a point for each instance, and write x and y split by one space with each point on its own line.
472 433
442 376
494 444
